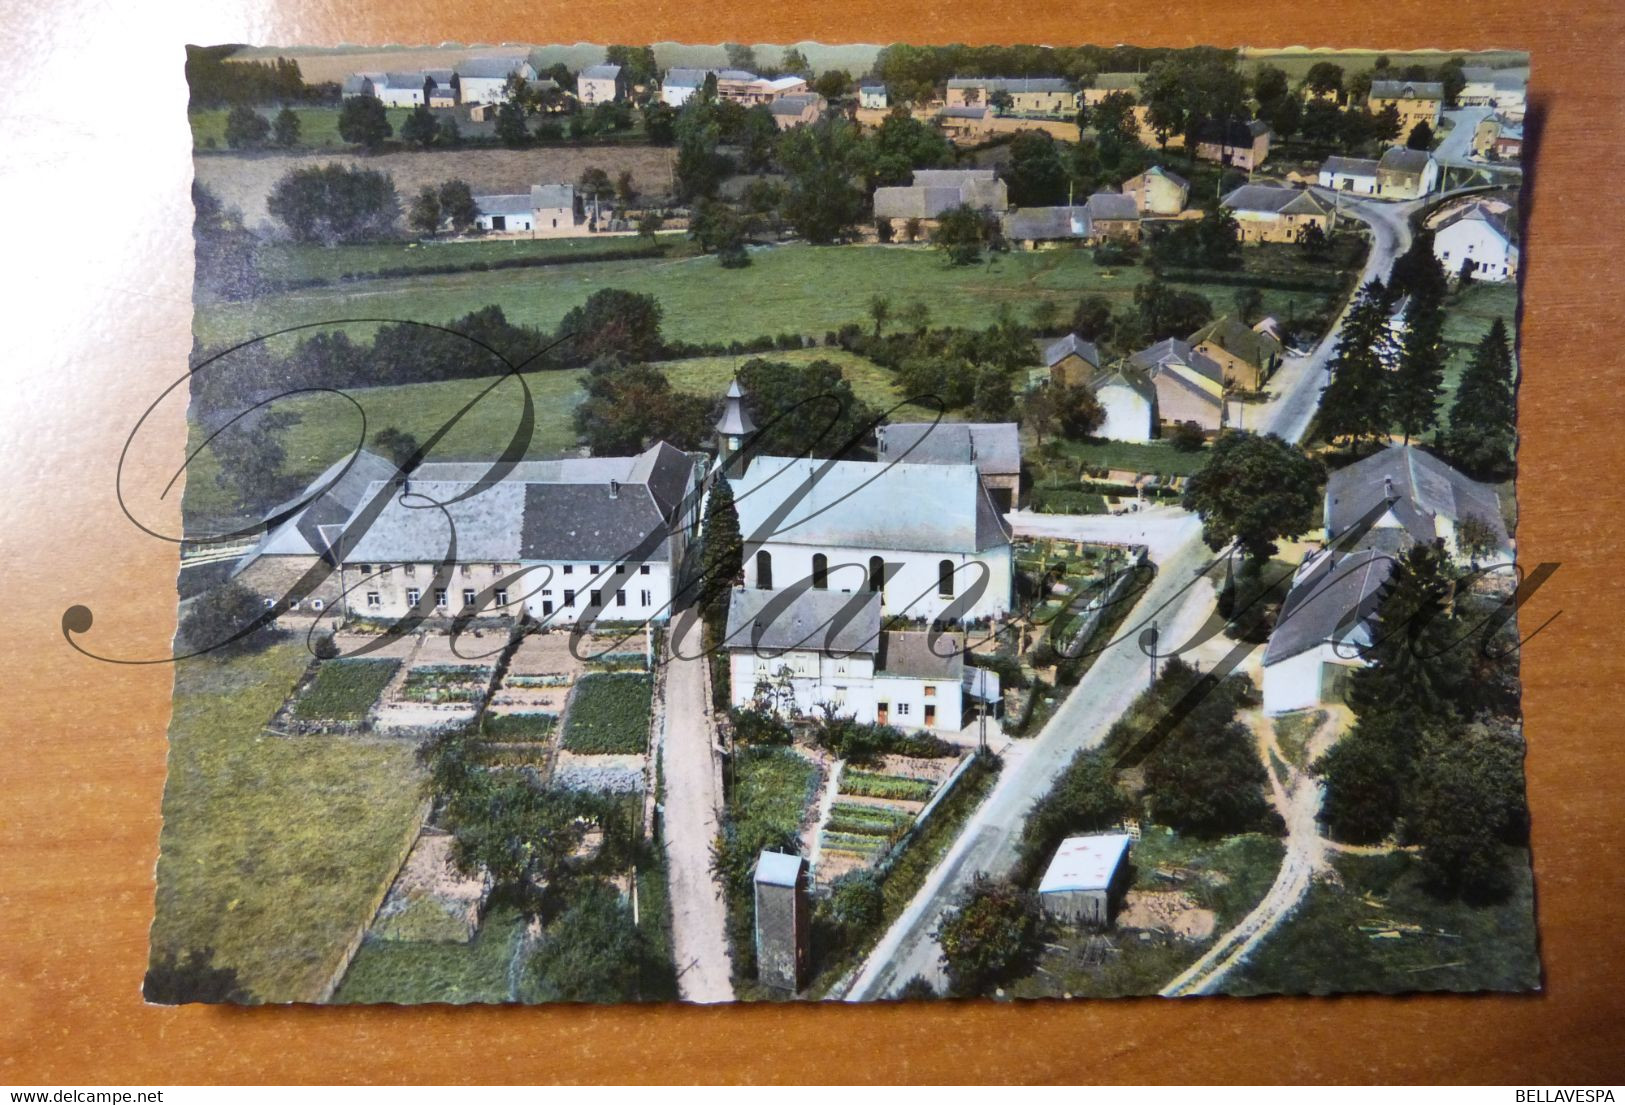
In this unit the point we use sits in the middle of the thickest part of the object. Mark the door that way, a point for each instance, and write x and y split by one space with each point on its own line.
930 715
881 712
547 607
499 222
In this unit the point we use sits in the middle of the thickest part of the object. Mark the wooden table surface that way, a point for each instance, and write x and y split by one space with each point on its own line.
97 277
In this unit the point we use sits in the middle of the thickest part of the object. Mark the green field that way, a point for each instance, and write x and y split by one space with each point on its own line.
1467 319
274 849
413 971
1296 62
609 714
798 289
1332 944
344 690
304 261
318 126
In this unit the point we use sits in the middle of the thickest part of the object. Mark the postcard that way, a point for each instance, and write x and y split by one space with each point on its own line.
848 523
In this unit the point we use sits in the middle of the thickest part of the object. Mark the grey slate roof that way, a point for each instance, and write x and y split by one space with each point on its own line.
504 204
1071 345
829 621
1137 380
1166 174
867 505
994 447
1237 338
1402 160
1330 603
685 78
793 104
1013 84
1047 224
1480 213
1271 198
1112 206
964 111
1407 90
410 528
1425 488
1233 134
582 521
552 195
912 655
1172 350
1349 166
490 67
404 80
604 72
300 534
441 77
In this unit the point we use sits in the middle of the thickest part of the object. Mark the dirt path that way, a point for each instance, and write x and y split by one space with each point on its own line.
693 796
1297 799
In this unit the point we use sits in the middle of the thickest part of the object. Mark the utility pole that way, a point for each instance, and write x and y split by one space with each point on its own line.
1148 641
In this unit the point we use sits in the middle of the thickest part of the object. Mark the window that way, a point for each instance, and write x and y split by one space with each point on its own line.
643 569
644 595
902 709
411 570
569 569
593 570
547 607
930 715
502 596
468 596
569 597
465 569
374 600
620 598
945 579
764 570
596 598
930 691
366 569
385 571
412 596
620 569
877 573
317 604
820 572
440 596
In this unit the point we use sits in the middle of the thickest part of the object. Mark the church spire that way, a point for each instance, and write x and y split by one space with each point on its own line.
735 426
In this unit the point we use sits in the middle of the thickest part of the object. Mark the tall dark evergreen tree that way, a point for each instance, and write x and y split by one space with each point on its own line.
1483 418
1354 403
1414 666
724 555
1415 386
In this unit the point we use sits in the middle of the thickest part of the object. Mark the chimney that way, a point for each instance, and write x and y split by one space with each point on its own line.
1388 489
614 489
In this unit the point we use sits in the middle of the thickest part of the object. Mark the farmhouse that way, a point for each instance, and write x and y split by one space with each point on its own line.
1071 361
738 85
442 87
1414 101
599 84
1105 84
546 211
796 109
926 537
1113 217
1158 192
1502 89
796 653
1349 174
1040 227
1480 238
1247 355
1271 213
1189 385
993 447
402 89
1406 174
1413 493
1129 400
1324 625
965 122
935 191
561 540
1085 881
361 84
1243 146
485 80
1028 95
873 97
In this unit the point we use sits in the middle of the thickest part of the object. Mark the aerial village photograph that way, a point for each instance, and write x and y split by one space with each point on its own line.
847 523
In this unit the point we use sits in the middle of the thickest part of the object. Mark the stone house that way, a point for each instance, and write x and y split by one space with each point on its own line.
1158 191
1240 145
1271 213
935 191
1189 385
1071 361
1415 101
599 84
485 80
546 211
1246 356
797 109
1028 95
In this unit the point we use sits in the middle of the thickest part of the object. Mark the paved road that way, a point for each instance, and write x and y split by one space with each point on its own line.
1456 147
693 795
988 842
1162 529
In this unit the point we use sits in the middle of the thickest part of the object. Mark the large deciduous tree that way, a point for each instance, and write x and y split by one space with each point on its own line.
1253 490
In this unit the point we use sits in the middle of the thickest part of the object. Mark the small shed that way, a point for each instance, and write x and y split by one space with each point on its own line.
1085 879
783 920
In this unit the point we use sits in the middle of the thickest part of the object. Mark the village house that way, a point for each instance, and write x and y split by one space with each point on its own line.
1498 138
873 96
1129 399
1105 84
797 109
1375 509
679 85
965 122
1189 385
993 447
1243 146
362 84
546 211
599 84
1502 89
594 537
1028 95
1071 361
1113 217
441 90
402 89
1477 236
1272 213
485 80
797 654
1086 879
1406 174
1043 227
1158 191
926 537
1246 355
1415 101
935 191
1349 174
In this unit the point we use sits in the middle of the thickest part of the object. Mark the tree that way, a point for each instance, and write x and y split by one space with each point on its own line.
650 224
1205 778
522 834
1417 272
995 398
1385 124
823 164
1468 802
613 323
593 952
363 121
1413 671
740 56
962 232
1086 798
245 128
1354 403
424 214
1187 437
805 410
1325 78
718 228
511 127
1116 128
447 133
1254 490
1165 311
1001 102
1077 411
192 977
457 205
1365 783
335 203
285 130
638 65
1416 384
221 620
879 310
794 62
594 184
626 188
1421 136
832 84
856 902
397 446
901 144
1476 537
1483 432
1038 412
1092 320
700 167
627 408
991 936
660 123
419 127
1036 175
724 556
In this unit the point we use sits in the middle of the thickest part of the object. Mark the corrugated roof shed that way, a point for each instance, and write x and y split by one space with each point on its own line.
778 869
1085 863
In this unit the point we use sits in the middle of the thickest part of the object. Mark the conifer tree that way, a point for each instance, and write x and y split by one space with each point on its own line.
1414 387
1483 417
1354 403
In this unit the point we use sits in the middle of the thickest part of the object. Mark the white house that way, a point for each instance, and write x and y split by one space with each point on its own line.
597 537
403 89
485 80
1479 236
873 96
362 84
546 211
599 84
1414 495
1349 174
1129 399
926 537
1324 625
798 653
